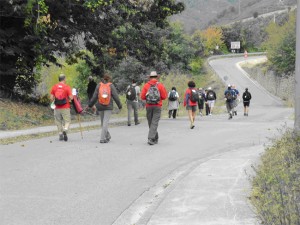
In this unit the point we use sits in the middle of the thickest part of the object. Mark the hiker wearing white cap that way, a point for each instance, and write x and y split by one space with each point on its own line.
211 97
153 93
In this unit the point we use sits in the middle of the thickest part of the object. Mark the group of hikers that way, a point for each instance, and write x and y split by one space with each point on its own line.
101 97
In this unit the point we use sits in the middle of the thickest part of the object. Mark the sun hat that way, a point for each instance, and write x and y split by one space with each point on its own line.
153 74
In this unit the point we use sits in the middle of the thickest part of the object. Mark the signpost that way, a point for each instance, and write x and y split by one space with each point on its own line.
235 45
297 73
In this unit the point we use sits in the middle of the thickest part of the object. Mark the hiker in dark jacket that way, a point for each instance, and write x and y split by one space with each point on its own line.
91 89
105 110
246 100
229 97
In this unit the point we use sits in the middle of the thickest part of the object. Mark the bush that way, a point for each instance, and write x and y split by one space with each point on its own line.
276 192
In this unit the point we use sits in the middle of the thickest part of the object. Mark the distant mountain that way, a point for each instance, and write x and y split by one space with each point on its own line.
199 14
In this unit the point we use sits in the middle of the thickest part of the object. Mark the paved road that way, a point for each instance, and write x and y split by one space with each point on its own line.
190 177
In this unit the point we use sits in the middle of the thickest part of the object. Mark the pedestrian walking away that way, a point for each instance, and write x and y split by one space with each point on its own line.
173 102
236 99
211 98
207 112
191 99
61 95
104 96
246 101
201 101
90 90
229 98
154 93
132 100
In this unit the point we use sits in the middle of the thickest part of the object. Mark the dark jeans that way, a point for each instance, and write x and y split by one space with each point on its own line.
207 109
153 117
173 113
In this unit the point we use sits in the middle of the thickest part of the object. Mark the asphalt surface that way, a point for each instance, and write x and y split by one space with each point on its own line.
192 177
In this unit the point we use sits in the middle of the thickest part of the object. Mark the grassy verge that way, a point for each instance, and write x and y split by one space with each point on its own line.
276 186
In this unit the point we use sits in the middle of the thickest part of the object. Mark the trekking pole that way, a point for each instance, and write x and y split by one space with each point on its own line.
78 117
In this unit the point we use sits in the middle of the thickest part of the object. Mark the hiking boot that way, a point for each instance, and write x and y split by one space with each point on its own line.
61 137
65 136
151 142
137 123
104 141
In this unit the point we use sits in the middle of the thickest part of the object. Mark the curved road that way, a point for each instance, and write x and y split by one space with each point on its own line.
80 182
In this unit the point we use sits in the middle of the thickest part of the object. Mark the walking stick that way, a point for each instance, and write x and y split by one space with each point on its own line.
78 117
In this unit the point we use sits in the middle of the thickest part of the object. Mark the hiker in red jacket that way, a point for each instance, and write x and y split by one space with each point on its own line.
153 92
190 103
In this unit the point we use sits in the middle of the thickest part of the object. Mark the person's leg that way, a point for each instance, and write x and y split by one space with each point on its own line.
129 112
59 123
247 108
228 107
174 113
170 113
66 117
104 132
190 115
156 113
135 112
194 109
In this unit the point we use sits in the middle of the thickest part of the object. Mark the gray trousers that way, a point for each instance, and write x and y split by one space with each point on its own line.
153 117
132 105
105 116
229 106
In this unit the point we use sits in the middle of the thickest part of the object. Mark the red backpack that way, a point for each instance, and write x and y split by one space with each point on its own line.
60 96
104 93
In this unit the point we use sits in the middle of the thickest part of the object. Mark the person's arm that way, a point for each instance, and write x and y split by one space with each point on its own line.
115 96
163 92
144 91
69 93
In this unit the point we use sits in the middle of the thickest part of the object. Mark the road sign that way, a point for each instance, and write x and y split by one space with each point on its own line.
235 45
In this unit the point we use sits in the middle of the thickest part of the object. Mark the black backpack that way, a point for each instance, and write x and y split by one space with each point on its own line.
247 96
229 95
172 96
131 93
210 95
194 95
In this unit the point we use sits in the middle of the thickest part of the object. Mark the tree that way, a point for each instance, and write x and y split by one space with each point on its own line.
280 46
34 32
212 37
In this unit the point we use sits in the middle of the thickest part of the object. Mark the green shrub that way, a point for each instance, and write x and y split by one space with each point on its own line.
276 186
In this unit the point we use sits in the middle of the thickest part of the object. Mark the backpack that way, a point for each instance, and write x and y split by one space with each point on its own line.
210 96
153 95
194 95
247 96
229 95
131 93
60 96
200 95
172 96
104 93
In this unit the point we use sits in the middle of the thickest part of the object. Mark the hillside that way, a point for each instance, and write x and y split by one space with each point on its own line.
199 14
